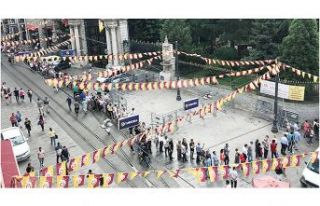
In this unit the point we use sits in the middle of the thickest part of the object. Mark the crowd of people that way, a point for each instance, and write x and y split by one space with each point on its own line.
19 94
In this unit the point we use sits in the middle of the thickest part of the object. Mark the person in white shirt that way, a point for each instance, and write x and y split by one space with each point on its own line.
234 177
284 143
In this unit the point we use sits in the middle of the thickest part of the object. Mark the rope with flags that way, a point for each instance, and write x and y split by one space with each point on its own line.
47 179
31 41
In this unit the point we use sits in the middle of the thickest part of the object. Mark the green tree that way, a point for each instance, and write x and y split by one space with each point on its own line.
145 29
264 38
177 30
301 47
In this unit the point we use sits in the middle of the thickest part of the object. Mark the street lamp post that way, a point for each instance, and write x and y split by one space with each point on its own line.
177 73
275 109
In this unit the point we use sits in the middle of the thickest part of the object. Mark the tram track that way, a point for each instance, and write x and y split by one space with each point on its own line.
125 157
60 117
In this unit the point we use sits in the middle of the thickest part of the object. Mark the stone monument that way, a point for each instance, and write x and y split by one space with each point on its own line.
168 62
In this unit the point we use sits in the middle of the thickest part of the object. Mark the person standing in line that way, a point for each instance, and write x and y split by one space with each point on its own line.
9 95
166 146
41 122
215 160
179 150
16 94
161 140
222 156
22 94
27 124
284 144
52 136
250 155
245 152
226 154
191 145
41 156
58 152
13 120
273 148
184 153
69 101
266 146
198 151
65 155
171 148
260 151
156 142
256 148
29 93
185 144
306 127
291 140
236 156
234 177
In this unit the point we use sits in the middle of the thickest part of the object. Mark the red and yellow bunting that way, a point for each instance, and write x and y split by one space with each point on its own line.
229 63
201 174
302 73
41 52
31 41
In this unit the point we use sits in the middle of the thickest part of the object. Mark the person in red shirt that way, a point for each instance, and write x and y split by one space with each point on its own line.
273 148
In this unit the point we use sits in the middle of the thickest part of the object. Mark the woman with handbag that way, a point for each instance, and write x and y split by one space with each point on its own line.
41 122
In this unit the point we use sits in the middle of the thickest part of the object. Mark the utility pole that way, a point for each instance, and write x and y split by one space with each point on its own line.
275 109
177 73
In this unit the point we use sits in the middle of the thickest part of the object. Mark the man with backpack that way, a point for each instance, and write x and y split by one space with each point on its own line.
65 155
58 151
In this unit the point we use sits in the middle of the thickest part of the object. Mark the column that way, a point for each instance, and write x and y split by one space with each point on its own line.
19 30
78 49
114 44
72 38
108 40
54 31
43 43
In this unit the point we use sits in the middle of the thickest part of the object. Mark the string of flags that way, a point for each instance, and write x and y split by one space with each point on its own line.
169 127
146 42
201 174
41 52
230 63
146 86
31 41
302 73
83 81
10 36
109 57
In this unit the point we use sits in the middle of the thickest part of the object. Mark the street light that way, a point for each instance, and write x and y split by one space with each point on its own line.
275 109
177 73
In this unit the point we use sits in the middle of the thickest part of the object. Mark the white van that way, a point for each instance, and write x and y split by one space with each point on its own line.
20 146
310 175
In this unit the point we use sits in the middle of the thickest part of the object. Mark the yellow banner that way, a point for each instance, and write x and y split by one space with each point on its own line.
296 93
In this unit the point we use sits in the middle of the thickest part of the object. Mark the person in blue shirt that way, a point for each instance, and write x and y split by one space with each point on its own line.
291 140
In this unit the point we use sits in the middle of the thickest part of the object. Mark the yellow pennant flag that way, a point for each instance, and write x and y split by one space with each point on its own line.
101 25
132 175
159 173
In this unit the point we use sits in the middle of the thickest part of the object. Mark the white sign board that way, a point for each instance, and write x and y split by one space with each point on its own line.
268 87
284 91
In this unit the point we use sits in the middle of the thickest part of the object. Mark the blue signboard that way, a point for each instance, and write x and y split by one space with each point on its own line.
128 122
190 104
66 52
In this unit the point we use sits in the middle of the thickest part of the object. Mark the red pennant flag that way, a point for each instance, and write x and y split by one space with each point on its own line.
63 181
61 168
255 167
285 161
224 171
295 160
266 165
202 174
246 168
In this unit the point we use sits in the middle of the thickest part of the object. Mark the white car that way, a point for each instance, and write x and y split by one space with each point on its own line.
20 146
310 175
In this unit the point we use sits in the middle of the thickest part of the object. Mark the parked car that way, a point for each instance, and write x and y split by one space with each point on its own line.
51 60
310 175
121 78
20 146
62 65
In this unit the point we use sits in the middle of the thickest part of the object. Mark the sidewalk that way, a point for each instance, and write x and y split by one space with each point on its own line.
39 138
